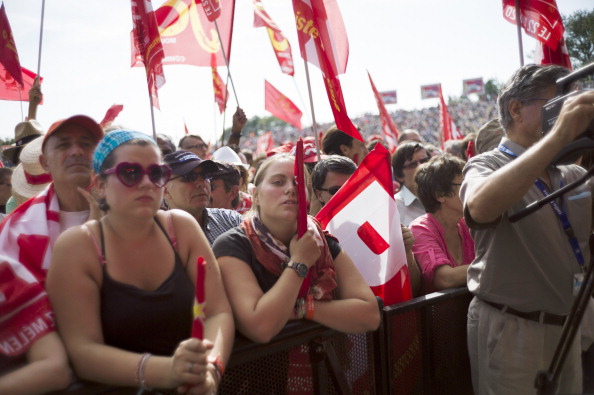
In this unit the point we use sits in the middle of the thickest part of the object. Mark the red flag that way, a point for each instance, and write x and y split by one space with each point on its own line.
264 143
189 37
301 195
545 55
199 302
449 131
146 46
111 114
430 91
324 43
371 233
220 90
389 129
280 106
473 85
281 46
186 131
539 18
9 56
212 9
9 89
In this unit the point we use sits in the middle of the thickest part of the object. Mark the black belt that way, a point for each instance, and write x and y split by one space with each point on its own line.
538 316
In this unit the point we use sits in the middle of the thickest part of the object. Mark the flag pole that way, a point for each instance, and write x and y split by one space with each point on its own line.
313 114
225 107
40 37
153 117
227 63
21 101
519 28
301 99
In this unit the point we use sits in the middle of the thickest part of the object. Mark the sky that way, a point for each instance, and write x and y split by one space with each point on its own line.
403 44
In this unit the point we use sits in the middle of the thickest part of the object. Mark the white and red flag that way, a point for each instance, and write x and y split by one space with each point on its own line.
212 9
9 88
146 46
473 85
323 42
389 129
364 218
539 18
430 91
280 106
389 97
280 44
449 131
9 56
264 143
189 37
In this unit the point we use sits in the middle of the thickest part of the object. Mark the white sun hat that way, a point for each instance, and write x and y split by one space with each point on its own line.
29 178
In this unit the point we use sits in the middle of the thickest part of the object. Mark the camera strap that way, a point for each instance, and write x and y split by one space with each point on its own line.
559 211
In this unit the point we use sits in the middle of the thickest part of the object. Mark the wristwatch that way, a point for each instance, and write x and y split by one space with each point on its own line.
300 268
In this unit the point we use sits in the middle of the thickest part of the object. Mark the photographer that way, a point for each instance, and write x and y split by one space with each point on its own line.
524 273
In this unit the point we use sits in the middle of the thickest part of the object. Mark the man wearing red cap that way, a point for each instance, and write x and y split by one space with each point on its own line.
29 233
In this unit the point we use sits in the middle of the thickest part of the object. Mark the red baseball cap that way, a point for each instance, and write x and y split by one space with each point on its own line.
82 120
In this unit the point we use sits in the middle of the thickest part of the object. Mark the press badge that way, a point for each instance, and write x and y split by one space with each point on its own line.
578 279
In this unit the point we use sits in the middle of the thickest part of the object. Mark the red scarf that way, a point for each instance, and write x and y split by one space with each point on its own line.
273 254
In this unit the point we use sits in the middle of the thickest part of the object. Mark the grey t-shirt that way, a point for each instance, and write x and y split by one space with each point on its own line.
528 265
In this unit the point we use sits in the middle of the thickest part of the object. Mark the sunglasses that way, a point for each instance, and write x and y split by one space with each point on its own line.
192 177
131 174
332 190
415 164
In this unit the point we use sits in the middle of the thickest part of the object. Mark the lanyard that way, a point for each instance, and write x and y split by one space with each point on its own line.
559 211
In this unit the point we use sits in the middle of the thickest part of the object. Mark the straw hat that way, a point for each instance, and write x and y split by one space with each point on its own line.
489 136
24 132
29 178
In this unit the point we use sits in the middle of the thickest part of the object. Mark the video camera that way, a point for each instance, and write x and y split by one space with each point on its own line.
551 110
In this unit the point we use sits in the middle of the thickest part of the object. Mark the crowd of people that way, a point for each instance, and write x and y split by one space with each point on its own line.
110 236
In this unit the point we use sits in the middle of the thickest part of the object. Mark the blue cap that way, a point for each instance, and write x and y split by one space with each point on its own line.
113 140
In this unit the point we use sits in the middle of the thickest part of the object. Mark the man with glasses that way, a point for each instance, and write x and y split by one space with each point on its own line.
526 274
189 189
406 159
328 176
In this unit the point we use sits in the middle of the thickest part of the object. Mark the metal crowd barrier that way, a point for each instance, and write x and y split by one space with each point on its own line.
419 348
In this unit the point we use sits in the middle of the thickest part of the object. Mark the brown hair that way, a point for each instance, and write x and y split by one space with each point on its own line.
434 179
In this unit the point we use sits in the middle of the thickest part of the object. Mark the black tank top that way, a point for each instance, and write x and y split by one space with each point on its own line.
147 321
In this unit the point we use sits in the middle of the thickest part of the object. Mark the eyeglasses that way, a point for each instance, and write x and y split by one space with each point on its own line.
414 164
331 190
456 184
192 177
197 146
131 174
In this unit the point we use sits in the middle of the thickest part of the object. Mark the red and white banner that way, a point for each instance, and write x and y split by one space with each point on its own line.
9 56
25 311
473 85
430 91
389 129
189 37
323 42
280 44
539 18
389 97
371 233
9 88
264 143
111 114
147 49
545 55
220 90
449 131
280 106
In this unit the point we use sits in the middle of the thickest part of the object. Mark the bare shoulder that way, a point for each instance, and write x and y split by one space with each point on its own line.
179 218
75 248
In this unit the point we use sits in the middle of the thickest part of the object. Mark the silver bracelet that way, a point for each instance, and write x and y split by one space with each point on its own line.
140 371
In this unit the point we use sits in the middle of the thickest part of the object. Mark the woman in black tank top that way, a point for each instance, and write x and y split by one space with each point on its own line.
123 287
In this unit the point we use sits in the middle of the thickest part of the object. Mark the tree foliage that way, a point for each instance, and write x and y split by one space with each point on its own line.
579 37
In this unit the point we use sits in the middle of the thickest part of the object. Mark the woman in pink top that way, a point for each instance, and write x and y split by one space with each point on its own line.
443 247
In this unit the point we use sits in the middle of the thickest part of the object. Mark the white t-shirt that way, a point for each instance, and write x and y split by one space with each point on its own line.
68 219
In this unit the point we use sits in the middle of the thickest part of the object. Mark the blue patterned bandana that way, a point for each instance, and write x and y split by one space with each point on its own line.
111 141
